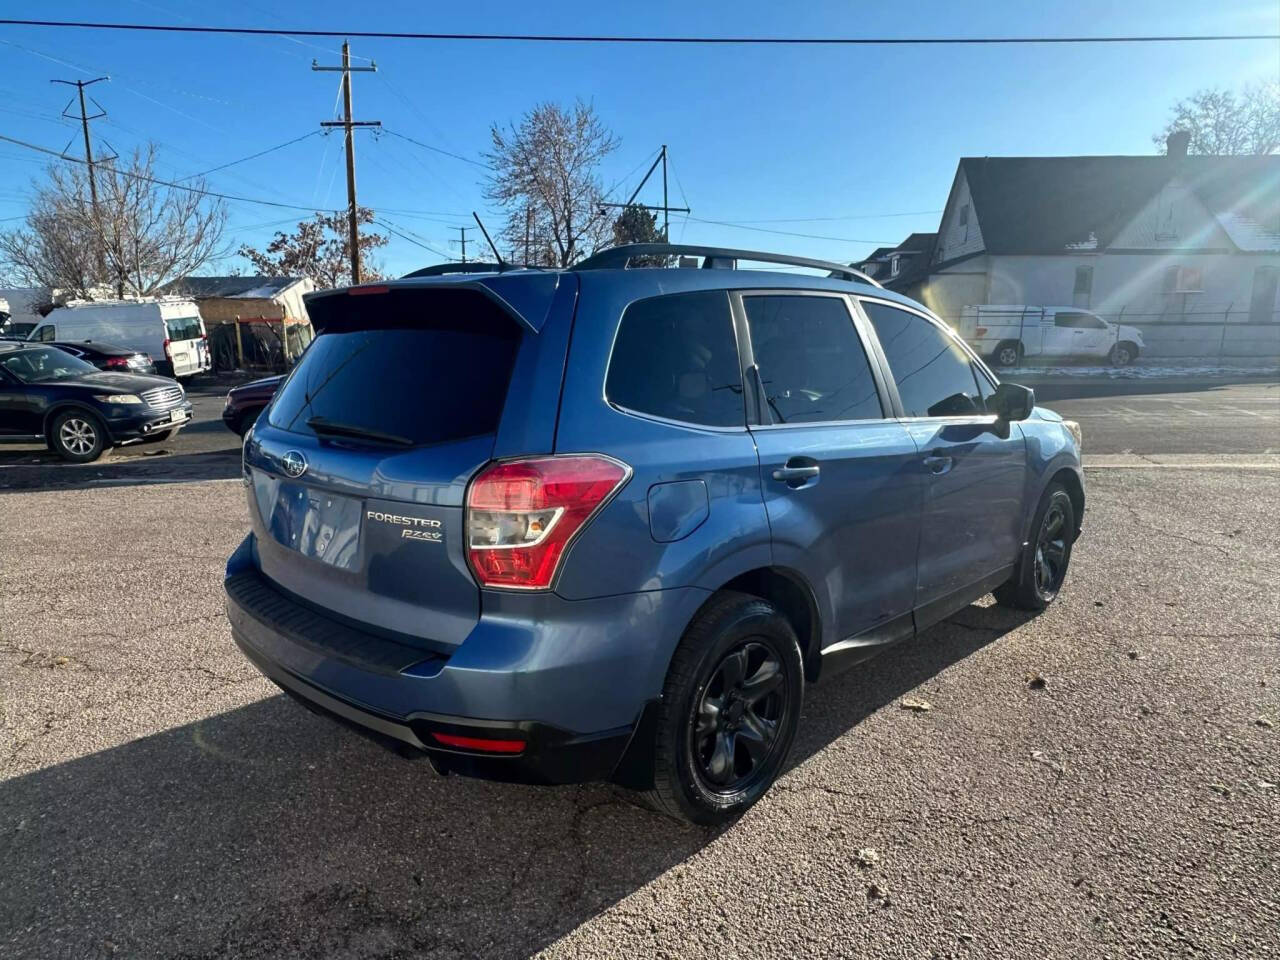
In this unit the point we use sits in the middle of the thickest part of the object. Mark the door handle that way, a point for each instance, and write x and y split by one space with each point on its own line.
796 472
938 465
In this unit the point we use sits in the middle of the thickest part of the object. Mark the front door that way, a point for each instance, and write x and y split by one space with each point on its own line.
21 404
840 476
1080 335
974 467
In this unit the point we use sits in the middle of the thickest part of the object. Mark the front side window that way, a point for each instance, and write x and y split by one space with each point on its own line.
675 357
811 360
934 375
1079 321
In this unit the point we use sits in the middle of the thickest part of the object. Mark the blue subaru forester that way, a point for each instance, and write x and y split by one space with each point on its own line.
608 522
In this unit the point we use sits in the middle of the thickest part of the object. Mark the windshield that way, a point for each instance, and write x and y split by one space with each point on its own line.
44 364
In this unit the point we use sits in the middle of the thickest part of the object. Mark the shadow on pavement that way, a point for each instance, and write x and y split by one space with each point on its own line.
1080 388
43 470
267 831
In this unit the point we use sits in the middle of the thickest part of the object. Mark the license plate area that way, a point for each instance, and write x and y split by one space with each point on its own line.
317 524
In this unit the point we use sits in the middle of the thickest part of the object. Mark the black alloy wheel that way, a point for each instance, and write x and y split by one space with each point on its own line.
1042 568
729 710
1052 544
734 725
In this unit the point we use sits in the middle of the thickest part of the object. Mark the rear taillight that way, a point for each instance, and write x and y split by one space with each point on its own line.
168 351
980 332
523 514
482 744
117 363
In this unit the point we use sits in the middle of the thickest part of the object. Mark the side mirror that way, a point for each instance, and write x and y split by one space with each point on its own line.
1011 401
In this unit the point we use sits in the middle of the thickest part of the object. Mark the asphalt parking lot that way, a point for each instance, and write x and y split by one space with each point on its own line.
1099 781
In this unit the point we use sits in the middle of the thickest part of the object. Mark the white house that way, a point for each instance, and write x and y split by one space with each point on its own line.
1187 248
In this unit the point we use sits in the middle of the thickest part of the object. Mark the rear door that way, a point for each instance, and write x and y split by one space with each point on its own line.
357 472
1077 334
841 478
974 468
184 344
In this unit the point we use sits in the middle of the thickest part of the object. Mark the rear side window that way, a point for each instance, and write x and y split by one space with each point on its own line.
675 357
424 367
1084 321
810 359
183 328
934 376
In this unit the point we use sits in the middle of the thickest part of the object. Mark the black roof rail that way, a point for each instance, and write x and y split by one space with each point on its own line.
713 258
441 269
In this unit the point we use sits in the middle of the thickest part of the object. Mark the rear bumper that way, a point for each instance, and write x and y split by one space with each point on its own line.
571 680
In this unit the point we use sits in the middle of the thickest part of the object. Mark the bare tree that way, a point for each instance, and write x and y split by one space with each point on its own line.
140 235
1222 123
544 175
320 248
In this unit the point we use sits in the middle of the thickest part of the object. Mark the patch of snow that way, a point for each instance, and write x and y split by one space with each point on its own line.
1248 234
257 293
1090 244
1141 371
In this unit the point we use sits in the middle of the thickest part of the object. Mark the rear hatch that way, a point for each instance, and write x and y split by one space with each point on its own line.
357 473
185 345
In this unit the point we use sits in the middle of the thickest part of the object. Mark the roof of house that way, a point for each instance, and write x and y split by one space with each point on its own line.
1050 204
259 288
916 255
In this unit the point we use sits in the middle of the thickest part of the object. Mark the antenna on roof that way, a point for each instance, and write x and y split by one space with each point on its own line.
502 264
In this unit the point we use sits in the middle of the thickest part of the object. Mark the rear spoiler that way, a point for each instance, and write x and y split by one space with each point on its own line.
526 295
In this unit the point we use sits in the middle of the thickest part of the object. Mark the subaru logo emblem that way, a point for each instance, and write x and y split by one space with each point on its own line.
293 463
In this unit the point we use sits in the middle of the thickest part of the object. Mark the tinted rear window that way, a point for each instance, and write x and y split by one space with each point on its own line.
424 366
676 357
183 328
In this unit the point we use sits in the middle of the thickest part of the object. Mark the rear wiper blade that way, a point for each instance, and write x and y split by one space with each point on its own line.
326 427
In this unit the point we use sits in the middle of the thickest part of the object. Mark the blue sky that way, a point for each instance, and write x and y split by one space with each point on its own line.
867 134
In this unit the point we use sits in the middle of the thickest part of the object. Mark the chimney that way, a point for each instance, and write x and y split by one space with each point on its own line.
1177 142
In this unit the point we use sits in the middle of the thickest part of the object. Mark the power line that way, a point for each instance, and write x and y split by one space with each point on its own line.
427 146
588 38
168 183
852 216
254 156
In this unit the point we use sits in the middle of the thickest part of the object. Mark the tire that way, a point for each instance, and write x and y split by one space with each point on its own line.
158 437
736 679
1123 354
1007 354
78 436
1039 575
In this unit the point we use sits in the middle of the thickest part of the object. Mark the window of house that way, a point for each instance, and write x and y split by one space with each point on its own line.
964 220
676 357
1082 293
894 265
934 375
1262 302
811 360
1182 280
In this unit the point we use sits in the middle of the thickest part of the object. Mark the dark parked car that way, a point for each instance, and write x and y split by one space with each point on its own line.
49 396
246 401
107 356
609 522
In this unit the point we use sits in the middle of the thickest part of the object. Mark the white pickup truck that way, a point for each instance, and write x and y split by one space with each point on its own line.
1008 332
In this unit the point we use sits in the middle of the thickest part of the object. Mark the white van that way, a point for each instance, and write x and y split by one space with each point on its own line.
1007 332
169 330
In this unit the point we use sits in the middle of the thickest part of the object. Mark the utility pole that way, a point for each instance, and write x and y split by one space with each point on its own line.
463 232
84 124
349 125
